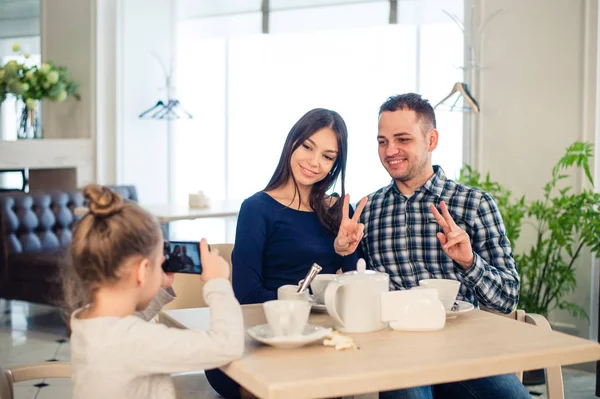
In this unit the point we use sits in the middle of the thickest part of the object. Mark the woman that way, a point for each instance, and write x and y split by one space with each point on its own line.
293 223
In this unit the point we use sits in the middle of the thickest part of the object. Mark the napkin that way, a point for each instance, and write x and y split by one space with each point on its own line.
339 341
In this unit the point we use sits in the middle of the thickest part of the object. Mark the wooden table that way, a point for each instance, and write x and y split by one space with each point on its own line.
473 345
172 213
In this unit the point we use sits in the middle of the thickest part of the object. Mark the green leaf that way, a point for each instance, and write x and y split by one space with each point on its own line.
564 223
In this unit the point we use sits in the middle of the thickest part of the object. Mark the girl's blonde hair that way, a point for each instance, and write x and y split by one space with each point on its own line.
111 232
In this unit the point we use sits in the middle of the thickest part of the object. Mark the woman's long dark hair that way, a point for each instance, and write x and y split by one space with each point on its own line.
309 124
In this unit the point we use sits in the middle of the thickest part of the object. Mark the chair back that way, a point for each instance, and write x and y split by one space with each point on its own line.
554 380
30 372
189 288
127 192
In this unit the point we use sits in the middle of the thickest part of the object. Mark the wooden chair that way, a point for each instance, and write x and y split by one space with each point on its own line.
8 377
188 287
554 380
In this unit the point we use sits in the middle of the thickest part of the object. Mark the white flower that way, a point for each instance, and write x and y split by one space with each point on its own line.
62 96
45 68
52 77
11 66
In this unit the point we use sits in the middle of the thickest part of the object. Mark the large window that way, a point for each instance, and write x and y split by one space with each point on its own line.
246 89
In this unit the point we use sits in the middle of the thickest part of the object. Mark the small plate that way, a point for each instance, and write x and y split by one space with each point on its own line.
262 333
319 308
463 307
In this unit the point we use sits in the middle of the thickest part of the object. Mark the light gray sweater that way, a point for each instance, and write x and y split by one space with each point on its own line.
129 357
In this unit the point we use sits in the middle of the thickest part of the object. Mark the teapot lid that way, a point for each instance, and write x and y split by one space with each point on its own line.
361 273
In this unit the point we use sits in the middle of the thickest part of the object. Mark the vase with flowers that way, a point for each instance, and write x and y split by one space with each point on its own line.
30 84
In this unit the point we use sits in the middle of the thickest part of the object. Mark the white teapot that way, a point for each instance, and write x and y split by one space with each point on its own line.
353 299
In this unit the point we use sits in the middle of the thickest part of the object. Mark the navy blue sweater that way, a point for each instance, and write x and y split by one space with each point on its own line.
276 245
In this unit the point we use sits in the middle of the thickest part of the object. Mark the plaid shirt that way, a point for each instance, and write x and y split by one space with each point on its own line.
400 239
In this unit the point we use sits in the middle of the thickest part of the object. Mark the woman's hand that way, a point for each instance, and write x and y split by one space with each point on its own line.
350 232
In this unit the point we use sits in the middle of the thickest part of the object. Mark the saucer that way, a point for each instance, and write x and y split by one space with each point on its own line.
463 307
262 333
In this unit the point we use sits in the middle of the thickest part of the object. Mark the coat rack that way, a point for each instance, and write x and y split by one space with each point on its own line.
172 109
472 63
168 111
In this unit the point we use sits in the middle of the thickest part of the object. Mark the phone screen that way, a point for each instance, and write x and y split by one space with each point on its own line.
182 257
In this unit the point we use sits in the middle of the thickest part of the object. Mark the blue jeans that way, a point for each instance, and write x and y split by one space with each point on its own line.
505 386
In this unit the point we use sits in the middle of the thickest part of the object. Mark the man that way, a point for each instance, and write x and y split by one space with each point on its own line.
186 260
406 236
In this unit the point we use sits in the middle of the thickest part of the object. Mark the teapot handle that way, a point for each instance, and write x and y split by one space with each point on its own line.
330 301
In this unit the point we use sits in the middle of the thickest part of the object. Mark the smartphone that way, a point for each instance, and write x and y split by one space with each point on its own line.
182 257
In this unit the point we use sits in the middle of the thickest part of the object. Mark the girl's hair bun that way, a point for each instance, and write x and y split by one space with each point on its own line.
103 201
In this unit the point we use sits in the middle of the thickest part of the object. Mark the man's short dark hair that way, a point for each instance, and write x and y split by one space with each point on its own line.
412 102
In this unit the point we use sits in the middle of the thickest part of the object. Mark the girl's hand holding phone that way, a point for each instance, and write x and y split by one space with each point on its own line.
213 266
167 280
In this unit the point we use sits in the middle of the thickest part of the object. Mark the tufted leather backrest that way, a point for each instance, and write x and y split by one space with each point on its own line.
127 192
37 222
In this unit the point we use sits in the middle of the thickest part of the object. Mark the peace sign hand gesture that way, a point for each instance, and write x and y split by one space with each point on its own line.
455 241
350 232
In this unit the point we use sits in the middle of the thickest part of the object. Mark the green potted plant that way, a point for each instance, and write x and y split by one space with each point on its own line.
564 222
30 84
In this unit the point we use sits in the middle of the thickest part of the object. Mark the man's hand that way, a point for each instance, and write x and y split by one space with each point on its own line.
350 232
455 241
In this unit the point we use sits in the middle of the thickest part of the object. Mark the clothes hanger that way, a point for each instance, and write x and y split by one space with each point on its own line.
463 91
177 106
168 111
159 105
172 111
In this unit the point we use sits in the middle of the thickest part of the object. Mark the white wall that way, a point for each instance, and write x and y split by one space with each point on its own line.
146 27
536 88
71 41
108 47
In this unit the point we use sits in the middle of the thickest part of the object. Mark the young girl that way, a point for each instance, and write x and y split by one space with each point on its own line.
116 255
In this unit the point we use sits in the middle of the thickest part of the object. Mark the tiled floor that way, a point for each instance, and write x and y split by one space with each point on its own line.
35 333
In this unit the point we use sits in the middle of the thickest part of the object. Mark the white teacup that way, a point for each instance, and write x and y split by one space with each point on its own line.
447 290
318 286
286 317
413 310
291 292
